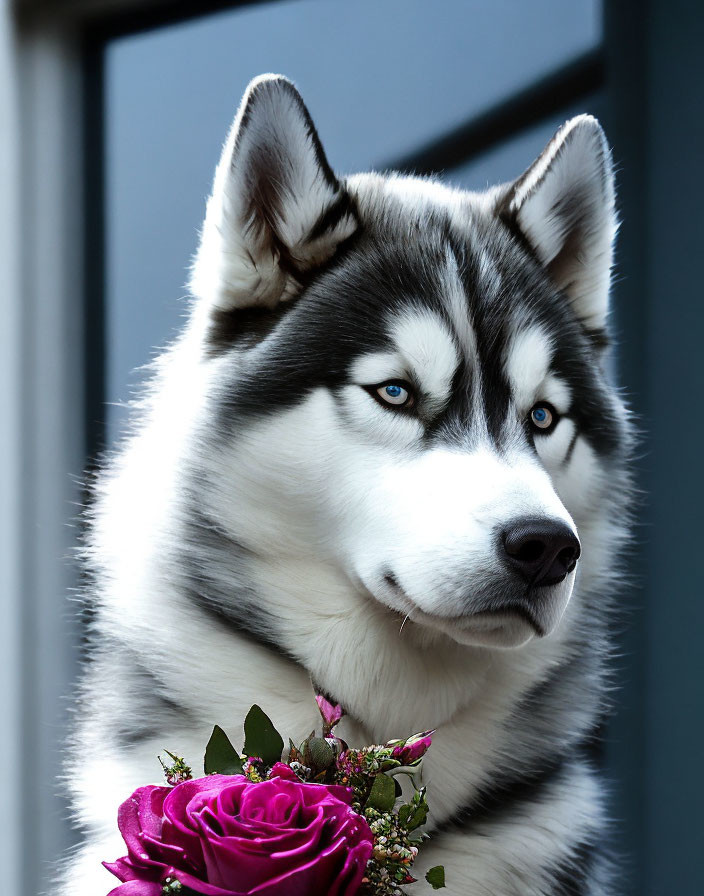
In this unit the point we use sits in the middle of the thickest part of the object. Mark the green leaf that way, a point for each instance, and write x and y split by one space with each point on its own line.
418 839
383 794
404 813
261 738
436 877
220 756
418 816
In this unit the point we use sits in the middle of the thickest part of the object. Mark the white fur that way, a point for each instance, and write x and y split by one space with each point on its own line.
527 362
324 500
457 305
557 392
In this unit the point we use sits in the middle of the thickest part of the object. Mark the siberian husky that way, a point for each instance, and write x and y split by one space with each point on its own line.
384 456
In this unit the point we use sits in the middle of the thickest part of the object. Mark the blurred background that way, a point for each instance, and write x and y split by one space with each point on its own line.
112 114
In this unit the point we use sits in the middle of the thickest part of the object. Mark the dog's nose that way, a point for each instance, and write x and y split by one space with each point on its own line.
542 550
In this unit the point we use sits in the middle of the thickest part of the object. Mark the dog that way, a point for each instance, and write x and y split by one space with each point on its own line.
384 456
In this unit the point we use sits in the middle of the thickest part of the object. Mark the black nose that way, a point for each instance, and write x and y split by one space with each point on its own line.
542 550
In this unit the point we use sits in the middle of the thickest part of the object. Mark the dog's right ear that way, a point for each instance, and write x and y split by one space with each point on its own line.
276 211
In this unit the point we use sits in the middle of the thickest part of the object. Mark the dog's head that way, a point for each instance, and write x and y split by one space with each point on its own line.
409 379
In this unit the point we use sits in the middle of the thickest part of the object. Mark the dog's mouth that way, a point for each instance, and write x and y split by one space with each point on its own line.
508 624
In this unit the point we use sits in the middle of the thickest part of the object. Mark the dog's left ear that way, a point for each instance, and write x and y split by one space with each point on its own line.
276 210
564 207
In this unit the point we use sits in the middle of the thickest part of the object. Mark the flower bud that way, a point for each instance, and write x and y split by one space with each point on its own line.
331 714
413 749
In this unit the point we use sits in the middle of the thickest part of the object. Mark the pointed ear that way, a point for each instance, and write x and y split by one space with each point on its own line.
276 210
564 207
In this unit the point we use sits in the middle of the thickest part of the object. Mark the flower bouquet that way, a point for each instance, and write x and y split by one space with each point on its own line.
328 821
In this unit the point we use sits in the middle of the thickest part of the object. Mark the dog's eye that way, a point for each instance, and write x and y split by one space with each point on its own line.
543 417
396 394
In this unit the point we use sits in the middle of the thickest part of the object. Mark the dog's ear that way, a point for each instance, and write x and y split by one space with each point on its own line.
276 210
563 205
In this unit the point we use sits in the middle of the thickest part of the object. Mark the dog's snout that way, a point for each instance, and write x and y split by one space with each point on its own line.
542 551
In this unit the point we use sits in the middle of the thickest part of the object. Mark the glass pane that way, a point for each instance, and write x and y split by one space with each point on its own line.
380 79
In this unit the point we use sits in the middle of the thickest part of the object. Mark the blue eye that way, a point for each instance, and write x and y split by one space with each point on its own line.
543 417
395 394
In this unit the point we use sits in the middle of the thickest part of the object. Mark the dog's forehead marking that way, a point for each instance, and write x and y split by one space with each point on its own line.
527 362
458 307
375 367
422 338
557 392
421 349
489 275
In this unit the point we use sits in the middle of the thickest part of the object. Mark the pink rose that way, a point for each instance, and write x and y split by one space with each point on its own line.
223 835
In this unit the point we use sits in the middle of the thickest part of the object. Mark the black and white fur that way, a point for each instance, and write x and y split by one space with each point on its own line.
273 520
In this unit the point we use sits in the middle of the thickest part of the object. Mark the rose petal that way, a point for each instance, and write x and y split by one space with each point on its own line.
137 888
249 862
126 869
141 813
306 854
139 819
349 880
328 869
181 809
203 888
281 770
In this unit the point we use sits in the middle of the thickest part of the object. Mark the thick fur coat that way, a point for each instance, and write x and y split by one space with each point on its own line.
384 456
